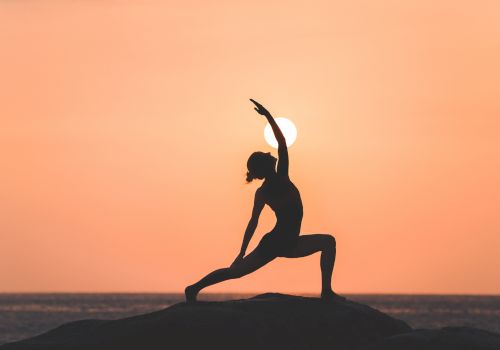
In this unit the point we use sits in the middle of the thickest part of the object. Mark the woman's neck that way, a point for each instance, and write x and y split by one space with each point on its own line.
271 177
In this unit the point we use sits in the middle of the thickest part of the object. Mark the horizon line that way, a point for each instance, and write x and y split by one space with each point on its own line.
251 293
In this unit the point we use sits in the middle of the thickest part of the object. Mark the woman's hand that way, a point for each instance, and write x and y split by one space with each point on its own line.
260 108
238 259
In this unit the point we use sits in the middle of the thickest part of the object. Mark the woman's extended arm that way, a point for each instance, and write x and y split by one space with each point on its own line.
252 224
282 148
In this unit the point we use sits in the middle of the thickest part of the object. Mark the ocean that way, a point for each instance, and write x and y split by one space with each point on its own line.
26 315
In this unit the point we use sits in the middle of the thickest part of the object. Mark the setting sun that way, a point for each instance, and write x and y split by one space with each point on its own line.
287 127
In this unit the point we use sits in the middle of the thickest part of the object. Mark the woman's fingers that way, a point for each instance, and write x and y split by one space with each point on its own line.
260 111
259 108
256 103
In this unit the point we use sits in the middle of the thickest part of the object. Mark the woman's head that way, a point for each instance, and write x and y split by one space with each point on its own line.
260 165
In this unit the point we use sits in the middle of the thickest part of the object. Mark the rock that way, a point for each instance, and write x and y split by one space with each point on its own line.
268 321
449 338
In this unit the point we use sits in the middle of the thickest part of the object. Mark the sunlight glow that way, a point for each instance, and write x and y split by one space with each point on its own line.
287 127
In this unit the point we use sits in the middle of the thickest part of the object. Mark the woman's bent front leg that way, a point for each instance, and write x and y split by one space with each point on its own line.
248 264
324 243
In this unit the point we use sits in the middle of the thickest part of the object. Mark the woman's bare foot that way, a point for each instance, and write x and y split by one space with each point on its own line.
330 295
191 294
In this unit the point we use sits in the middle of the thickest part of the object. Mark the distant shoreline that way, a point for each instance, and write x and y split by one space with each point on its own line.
246 293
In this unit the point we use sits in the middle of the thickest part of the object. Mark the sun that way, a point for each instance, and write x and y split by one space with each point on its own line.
287 127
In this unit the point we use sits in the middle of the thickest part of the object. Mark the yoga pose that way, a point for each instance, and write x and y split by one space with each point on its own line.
279 193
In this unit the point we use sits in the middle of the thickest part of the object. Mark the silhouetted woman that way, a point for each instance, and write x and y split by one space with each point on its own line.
279 193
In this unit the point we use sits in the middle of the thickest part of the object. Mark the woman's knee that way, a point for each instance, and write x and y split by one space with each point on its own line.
330 242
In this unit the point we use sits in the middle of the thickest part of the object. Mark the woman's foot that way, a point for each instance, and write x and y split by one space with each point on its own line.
330 295
191 294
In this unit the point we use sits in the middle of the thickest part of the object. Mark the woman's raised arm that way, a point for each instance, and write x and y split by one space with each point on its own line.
282 148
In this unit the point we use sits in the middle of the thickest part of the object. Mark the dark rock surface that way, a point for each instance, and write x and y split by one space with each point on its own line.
268 321
452 338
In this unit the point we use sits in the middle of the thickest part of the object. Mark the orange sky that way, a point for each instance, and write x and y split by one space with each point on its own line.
126 126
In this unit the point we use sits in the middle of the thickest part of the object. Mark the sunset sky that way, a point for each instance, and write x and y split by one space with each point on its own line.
126 127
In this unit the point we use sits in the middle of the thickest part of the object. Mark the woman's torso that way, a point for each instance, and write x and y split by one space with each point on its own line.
284 199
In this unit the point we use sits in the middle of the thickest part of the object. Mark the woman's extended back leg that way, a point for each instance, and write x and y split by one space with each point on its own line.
310 244
248 264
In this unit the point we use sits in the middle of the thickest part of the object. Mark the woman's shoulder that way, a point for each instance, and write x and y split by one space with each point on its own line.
277 182
284 179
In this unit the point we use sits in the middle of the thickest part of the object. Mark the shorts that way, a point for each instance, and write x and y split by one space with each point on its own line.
275 244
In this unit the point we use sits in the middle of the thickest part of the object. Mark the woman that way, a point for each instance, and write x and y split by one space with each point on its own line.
279 193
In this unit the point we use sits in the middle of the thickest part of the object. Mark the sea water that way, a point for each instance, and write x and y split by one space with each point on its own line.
26 315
